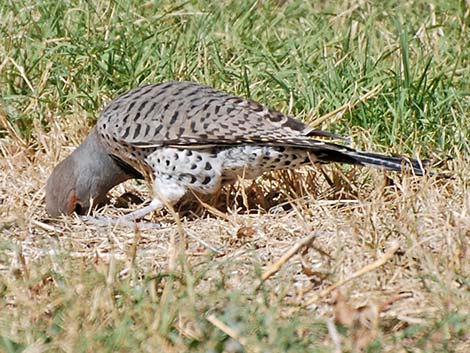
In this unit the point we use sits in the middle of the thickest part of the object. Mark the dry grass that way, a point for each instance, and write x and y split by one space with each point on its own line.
423 284
364 261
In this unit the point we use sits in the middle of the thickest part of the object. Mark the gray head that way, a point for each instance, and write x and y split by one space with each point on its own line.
84 178
64 193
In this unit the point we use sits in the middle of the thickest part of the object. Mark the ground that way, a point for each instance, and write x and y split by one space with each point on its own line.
337 259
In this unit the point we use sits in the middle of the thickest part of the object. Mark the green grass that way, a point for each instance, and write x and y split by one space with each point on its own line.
93 311
75 56
60 60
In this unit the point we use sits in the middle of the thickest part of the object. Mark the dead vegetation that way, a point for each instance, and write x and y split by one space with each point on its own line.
373 255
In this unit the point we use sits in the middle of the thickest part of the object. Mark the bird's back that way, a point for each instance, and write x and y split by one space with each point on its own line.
191 116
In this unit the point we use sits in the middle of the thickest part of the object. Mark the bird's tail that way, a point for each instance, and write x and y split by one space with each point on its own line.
397 164
348 155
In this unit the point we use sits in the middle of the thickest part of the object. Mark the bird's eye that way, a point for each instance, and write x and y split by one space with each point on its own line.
78 208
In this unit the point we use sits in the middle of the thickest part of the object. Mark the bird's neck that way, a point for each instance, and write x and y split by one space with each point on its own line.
102 170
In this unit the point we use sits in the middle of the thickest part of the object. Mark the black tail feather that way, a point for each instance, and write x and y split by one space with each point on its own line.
351 156
397 164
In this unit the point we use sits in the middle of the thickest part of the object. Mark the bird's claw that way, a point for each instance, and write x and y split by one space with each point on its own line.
101 221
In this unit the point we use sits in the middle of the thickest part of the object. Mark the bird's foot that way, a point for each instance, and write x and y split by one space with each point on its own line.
101 221
129 220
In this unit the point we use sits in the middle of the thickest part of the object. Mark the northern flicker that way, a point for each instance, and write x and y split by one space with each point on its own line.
184 136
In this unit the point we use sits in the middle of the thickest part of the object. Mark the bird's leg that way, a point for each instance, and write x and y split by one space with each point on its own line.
131 218
170 192
166 191
141 212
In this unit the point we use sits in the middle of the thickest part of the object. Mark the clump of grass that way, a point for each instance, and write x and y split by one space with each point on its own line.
66 286
69 58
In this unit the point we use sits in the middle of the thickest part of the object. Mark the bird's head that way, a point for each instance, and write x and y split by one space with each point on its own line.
70 189
83 179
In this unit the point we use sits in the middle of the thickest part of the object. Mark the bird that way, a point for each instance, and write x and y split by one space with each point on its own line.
184 136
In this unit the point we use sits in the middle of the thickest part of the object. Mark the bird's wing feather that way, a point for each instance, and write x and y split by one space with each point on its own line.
190 114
